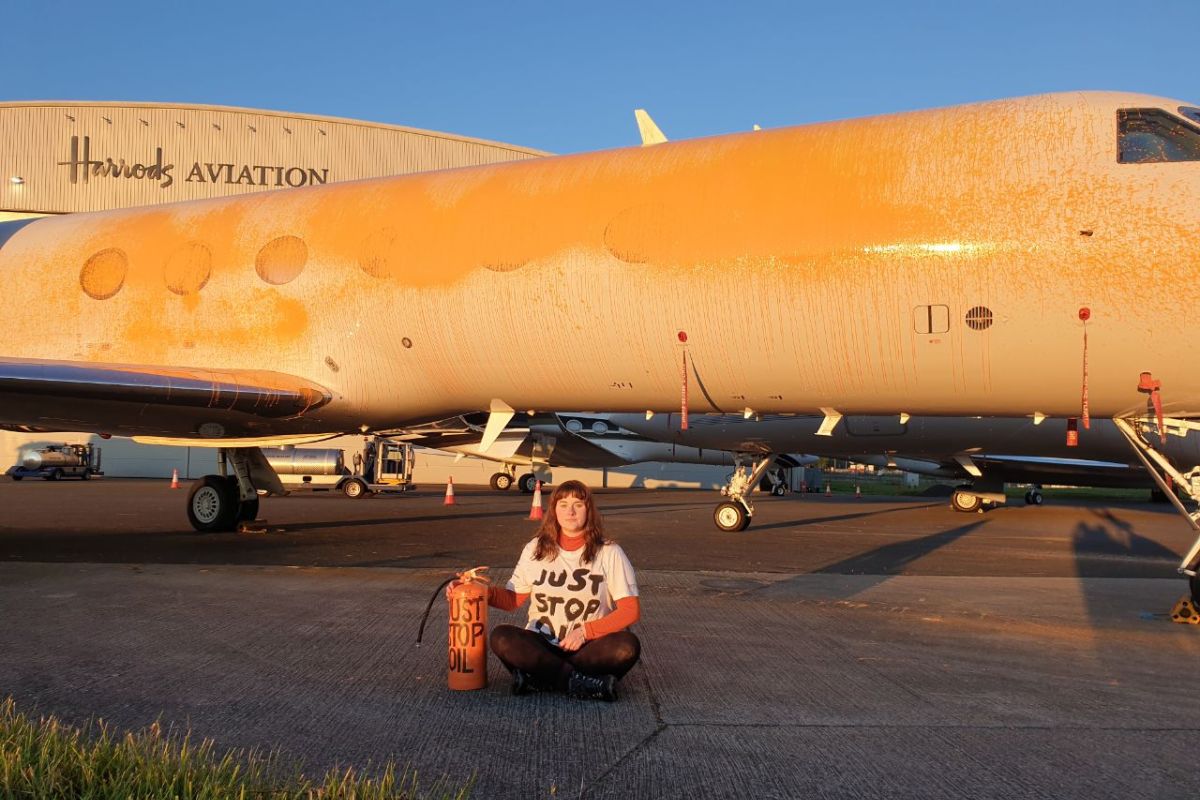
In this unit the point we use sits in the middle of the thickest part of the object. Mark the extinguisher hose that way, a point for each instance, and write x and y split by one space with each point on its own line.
428 608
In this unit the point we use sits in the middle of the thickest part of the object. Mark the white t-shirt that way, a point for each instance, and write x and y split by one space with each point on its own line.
564 594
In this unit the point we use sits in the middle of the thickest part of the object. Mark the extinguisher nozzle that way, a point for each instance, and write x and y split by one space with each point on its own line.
428 608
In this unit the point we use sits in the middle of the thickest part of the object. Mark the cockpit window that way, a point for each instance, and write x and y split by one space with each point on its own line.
1191 112
1151 135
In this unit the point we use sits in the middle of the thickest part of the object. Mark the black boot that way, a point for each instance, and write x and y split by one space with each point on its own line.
522 682
592 687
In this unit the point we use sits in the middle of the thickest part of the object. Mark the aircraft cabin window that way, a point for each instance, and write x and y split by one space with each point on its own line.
1151 135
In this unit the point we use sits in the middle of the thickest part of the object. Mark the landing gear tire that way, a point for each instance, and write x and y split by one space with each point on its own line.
527 483
1033 498
731 517
501 481
354 489
779 490
966 503
213 504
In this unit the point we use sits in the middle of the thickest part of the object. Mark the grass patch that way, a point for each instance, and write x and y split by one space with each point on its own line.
47 759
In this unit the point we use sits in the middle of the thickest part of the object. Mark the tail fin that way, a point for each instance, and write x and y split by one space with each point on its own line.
646 127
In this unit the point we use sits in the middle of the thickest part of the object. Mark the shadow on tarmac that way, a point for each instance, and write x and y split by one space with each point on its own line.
1113 536
883 562
891 559
798 523
355 523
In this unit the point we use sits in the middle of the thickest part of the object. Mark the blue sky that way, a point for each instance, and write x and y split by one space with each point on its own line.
566 76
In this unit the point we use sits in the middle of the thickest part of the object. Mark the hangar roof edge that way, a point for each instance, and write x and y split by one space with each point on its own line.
12 104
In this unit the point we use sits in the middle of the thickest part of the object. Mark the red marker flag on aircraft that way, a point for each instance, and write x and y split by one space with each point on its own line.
683 412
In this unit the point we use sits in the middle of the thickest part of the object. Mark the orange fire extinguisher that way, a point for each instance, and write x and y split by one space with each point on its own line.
467 634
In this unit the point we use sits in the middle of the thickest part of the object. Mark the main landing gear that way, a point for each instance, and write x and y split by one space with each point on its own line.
223 502
501 481
735 513
978 498
965 502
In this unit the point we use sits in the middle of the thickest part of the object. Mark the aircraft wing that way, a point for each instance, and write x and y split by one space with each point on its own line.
1066 471
140 400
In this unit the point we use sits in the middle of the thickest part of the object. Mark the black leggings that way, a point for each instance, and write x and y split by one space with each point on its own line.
551 666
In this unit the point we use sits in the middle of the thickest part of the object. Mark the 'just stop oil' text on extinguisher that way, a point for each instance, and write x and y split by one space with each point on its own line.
467 635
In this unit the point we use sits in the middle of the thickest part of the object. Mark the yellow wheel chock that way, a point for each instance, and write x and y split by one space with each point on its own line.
1185 611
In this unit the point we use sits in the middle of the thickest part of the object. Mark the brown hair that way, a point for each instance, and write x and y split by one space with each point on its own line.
549 531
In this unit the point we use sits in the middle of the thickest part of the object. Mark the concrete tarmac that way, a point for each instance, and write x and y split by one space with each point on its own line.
837 648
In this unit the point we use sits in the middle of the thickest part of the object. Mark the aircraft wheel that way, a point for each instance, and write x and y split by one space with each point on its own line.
966 503
778 490
527 483
213 504
501 481
1033 498
731 517
354 489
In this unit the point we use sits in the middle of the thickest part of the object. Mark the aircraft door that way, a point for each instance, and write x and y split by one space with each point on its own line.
932 347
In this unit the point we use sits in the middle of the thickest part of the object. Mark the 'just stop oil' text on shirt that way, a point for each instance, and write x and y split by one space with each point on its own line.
565 593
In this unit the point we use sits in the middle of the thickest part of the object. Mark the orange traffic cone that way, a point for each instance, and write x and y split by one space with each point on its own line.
829 490
449 501
174 479
535 510
857 492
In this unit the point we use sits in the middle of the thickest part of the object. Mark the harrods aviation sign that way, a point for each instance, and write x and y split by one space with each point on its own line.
84 167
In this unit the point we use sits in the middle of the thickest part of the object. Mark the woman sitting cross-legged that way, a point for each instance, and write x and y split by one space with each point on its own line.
584 596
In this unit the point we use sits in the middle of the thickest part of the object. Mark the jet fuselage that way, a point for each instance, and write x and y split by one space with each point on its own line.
943 262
